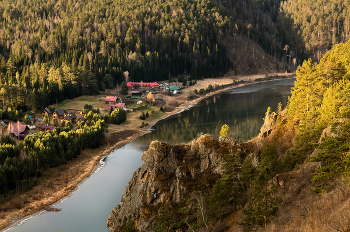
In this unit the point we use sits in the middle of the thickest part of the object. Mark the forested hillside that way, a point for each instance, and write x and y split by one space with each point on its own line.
294 176
320 24
53 50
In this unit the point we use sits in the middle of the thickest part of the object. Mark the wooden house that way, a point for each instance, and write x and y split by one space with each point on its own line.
108 108
120 105
71 117
111 100
46 111
59 114
46 127
136 93
18 130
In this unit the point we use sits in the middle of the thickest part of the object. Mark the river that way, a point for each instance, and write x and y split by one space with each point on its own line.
87 209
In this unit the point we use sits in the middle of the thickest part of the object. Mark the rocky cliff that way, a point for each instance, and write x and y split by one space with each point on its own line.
169 174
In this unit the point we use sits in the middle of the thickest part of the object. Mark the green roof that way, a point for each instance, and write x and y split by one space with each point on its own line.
28 112
135 96
172 88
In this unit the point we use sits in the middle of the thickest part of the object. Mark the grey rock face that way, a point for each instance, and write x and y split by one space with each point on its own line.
166 176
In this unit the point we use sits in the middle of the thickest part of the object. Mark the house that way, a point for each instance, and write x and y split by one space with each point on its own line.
59 114
136 93
120 105
142 84
81 119
111 100
108 108
173 88
46 127
17 129
71 117
46 111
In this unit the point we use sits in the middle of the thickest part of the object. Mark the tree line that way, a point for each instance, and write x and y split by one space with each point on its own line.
21 165
53 50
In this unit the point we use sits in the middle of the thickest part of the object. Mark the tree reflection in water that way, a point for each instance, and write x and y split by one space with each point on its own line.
242 109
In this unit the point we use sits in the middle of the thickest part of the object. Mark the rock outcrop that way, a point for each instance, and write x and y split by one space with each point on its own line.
169 174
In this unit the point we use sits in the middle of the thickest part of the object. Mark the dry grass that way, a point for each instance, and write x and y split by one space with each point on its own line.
79 102
57 183
308 212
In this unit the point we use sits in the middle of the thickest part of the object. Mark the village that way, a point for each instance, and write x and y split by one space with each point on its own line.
142 96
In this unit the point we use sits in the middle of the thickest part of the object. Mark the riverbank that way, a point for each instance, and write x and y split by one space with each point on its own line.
59 182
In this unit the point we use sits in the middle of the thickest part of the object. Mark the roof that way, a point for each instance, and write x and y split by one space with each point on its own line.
28 112
47 127
120 105
145 84
17 128
111 99
72 115
172 88
59 112
68 118
109 107
82 118
47 110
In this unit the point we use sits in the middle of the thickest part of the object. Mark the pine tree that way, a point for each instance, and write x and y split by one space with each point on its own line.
124 88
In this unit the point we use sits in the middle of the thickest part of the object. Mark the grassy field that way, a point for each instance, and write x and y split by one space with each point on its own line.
133 118
78 103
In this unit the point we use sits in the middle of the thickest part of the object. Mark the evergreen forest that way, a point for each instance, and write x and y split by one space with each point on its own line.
317 116
54 50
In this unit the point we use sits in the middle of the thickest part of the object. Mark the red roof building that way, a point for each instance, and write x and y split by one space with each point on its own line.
111 100
109 107
120 105
143 84
18 129
46 127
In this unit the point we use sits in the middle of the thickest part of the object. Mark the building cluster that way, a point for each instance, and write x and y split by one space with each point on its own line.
20 130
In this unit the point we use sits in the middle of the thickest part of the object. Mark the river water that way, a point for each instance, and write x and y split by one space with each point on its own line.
87 210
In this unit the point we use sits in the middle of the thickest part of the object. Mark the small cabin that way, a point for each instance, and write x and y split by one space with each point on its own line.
59 114
45 112
108 108
111 100
71 117
46 127
136 93
120 105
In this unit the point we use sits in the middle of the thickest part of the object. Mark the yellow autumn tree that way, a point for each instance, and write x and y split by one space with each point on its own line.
225 130
150 98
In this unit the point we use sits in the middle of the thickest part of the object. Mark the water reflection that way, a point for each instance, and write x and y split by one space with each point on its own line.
88 208
242 109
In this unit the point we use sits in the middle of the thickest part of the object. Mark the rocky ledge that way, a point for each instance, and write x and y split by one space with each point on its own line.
169 174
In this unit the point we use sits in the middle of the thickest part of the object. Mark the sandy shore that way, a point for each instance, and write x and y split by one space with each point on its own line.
58 183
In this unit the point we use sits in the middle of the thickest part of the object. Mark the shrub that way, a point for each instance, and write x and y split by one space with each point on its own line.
143 116
118 116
